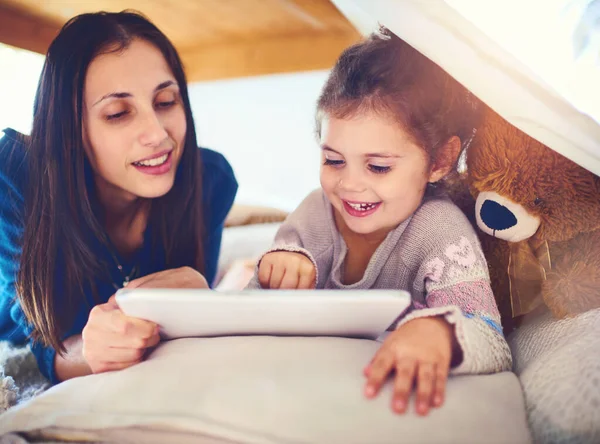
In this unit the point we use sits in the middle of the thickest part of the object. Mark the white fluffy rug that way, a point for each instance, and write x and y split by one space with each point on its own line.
20 378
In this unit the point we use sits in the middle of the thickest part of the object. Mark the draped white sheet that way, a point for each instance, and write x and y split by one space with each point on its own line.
441 30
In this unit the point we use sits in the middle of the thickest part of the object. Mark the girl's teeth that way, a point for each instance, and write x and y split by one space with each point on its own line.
153 162
362 206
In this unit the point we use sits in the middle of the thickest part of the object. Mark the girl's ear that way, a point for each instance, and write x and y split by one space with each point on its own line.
445 160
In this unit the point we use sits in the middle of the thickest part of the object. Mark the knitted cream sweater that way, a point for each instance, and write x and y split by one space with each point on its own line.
435 255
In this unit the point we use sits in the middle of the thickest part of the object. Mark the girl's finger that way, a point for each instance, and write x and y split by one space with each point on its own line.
426 378
306 281
380 369
441 378
276 277
403 384
264 273
289 281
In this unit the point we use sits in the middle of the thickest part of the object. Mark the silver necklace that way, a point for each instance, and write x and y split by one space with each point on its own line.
126 277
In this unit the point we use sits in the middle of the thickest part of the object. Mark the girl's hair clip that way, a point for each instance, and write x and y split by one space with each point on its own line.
468 142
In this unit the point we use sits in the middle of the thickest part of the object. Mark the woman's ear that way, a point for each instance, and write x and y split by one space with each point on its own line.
445 160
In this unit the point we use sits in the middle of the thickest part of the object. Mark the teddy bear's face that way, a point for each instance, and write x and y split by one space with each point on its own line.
524 188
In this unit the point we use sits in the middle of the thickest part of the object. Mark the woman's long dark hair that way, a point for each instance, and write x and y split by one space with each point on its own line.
60 221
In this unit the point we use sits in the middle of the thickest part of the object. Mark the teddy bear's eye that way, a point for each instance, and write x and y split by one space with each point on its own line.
538 201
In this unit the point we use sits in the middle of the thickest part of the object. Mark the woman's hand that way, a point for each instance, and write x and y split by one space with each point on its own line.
419 352
113 341
286 270
184 277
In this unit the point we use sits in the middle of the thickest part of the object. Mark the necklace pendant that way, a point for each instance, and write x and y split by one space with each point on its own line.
125 282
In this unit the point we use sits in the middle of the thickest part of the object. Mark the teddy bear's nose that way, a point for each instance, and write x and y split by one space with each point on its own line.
496 216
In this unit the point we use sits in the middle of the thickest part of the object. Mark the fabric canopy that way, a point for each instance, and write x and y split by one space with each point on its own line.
441 30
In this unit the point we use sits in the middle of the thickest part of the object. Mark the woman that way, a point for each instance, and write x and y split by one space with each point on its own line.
109 190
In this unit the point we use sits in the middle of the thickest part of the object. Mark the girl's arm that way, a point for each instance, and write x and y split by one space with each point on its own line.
457 288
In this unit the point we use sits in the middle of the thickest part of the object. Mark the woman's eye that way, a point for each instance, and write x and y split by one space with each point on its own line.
379 169
116 115
333 162
165 104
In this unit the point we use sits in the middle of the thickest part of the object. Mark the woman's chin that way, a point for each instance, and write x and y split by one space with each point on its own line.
153 191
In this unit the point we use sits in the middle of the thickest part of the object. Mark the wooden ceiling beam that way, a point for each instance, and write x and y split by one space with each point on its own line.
23 30
304 52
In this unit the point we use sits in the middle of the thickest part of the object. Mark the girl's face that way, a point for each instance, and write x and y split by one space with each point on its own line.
134 123
373 173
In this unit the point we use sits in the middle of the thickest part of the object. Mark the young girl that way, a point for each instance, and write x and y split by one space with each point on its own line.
111 189
392 125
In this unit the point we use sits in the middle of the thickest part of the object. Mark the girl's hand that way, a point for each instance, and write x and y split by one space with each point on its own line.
286 270
113 341
419 352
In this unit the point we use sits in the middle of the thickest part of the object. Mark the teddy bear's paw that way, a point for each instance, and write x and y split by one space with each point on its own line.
571 290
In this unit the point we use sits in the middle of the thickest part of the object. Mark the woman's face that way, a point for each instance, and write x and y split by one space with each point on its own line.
134 123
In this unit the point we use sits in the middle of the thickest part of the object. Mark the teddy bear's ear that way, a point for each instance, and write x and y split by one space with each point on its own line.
597 183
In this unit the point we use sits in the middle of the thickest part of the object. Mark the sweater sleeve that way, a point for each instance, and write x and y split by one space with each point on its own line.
11 232
13 325
453 281
304 231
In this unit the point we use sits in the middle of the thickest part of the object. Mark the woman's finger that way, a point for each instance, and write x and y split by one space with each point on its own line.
403 384
379 371
114 366
128 326
426 378
118 354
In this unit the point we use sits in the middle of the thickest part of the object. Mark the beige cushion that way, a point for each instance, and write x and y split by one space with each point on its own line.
243 244
249 214
267 390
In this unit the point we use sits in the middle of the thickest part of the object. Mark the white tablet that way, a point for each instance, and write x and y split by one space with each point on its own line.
206 313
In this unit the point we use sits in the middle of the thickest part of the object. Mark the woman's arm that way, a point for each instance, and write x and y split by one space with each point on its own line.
71 364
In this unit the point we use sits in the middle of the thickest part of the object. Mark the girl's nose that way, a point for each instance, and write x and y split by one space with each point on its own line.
351 183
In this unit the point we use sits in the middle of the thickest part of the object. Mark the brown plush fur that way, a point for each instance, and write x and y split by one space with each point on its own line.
565 196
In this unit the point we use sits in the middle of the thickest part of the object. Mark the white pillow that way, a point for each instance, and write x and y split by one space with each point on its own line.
262 389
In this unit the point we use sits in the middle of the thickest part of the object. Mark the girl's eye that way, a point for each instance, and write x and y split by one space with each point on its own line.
116 115
379 169
333 162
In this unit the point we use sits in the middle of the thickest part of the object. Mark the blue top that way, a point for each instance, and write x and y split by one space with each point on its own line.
219 188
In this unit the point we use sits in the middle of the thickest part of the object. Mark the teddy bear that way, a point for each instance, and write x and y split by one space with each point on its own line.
538 215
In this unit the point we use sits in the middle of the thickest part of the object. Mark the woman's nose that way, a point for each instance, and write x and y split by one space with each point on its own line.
153 132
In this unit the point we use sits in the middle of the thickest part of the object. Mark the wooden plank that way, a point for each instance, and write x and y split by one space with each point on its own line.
324 12
23 30
267 56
